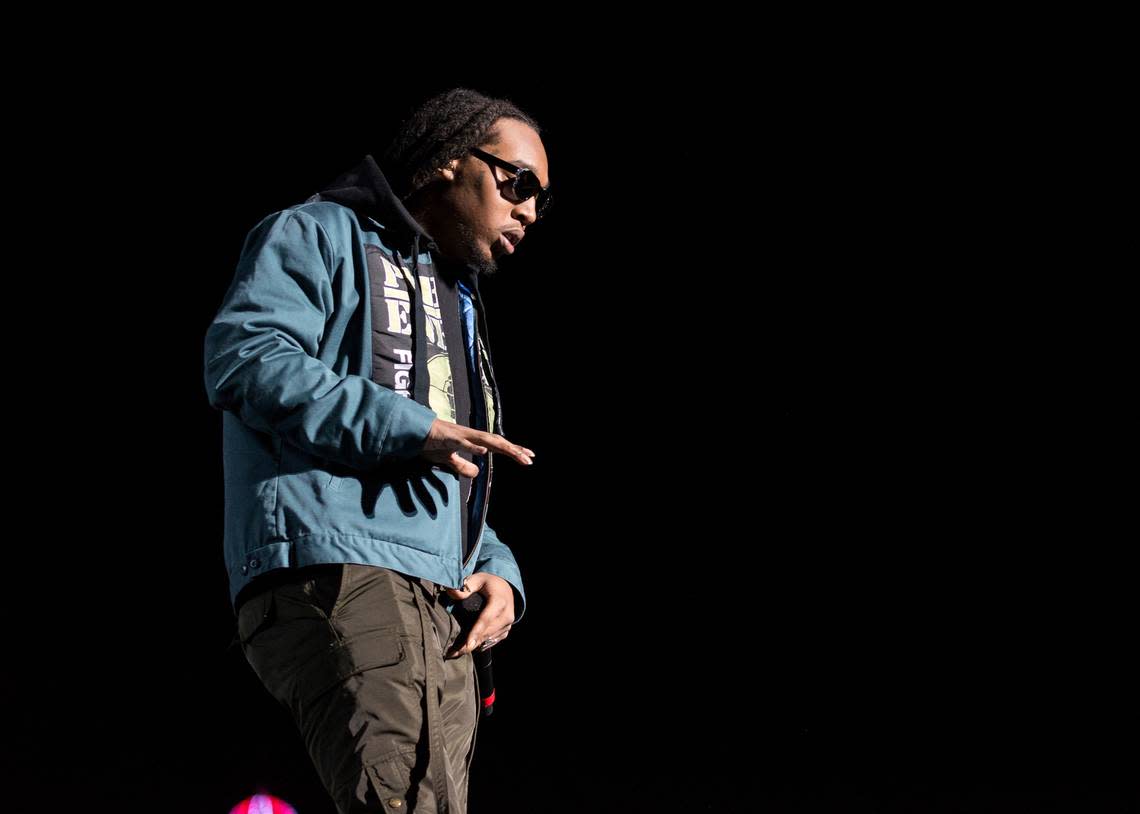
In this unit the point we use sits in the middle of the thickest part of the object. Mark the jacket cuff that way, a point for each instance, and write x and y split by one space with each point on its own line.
407 430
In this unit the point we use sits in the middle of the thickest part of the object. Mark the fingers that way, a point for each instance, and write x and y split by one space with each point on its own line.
447 435
473 448
479 442
500 444
491 641
474 643
479 638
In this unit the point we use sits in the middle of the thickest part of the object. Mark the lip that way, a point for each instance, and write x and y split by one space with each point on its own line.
508 247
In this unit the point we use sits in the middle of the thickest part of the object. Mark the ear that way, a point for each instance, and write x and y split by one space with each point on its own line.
447 171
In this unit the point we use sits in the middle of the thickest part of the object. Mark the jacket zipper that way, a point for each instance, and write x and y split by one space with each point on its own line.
487 487
480 327
483 513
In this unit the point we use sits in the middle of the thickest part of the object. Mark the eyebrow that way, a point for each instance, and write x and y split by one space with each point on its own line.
525 165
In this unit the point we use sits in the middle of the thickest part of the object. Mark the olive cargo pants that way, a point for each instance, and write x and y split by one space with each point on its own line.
356 654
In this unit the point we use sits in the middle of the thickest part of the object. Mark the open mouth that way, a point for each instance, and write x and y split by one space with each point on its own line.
508 246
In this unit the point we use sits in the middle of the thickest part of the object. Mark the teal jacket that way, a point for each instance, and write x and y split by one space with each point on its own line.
321 462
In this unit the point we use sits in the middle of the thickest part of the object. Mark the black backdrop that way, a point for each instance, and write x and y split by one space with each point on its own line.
790 538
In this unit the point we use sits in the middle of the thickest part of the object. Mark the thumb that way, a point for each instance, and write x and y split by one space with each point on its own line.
455 593
470 585
462 466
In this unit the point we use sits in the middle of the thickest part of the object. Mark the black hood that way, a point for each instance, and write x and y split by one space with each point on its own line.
365 189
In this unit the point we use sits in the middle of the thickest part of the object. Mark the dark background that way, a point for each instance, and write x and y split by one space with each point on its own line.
802 531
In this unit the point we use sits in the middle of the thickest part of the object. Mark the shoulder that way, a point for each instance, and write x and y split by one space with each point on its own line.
341 224
306 230
331 226
324 216
333 217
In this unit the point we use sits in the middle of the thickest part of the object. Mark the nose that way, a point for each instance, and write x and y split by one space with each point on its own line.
526 212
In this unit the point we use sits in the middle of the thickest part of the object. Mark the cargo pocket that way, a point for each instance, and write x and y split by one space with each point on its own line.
255 614
376 648
382 647
391 779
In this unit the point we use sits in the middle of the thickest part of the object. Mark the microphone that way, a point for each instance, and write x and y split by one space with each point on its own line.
471 606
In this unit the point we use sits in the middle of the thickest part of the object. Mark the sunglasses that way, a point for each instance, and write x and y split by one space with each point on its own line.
522 186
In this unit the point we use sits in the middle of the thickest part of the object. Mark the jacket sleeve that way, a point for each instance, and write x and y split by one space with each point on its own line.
495 558
261 354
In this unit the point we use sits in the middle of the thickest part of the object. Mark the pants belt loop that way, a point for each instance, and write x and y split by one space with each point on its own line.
434 680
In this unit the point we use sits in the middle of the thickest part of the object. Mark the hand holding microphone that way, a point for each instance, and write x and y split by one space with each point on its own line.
492 621
483 592
482 656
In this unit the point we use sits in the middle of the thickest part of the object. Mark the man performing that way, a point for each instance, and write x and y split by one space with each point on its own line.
360 417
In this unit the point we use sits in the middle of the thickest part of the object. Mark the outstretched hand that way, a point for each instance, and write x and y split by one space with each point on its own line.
495 619
445 440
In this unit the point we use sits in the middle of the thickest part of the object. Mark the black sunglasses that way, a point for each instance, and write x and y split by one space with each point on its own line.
523 185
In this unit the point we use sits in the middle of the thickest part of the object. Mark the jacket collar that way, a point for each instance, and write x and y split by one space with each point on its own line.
365 189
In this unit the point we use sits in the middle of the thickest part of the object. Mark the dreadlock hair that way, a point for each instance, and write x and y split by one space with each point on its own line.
444 127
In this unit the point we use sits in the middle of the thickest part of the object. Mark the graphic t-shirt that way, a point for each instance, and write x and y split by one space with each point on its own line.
392 328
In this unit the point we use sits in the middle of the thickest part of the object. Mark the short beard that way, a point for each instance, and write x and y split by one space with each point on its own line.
471 250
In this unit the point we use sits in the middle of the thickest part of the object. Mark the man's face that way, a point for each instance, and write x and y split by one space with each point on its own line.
471 215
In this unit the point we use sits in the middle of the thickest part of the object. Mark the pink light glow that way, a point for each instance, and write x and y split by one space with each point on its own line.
263 804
